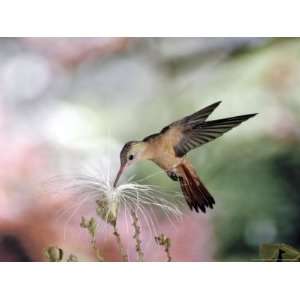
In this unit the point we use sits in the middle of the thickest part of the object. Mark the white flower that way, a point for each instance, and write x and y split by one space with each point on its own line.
147 201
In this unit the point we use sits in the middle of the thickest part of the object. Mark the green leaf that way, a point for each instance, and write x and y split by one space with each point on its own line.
279 252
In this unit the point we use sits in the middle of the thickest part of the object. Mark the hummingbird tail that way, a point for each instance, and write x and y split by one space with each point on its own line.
195 193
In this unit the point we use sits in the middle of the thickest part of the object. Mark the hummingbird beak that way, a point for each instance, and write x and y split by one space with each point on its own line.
119 175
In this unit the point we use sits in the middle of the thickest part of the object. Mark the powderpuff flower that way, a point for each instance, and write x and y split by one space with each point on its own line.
146 201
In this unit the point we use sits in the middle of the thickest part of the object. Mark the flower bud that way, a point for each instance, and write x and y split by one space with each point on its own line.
108 211
54 253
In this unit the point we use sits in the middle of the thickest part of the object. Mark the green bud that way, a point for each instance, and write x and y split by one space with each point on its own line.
107 211
92 226
72 258
54 254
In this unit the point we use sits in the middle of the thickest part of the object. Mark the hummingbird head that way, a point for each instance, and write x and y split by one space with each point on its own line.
130 153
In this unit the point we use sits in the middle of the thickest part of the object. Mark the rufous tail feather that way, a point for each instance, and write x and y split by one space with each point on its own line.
195 193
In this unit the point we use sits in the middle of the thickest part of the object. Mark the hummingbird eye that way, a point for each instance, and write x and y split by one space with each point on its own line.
130 157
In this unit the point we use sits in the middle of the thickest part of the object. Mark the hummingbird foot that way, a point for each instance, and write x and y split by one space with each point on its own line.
172 175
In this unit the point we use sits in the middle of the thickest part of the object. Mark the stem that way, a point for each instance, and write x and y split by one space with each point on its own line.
97 250
136 236
91 227
119 242
167 250
164 241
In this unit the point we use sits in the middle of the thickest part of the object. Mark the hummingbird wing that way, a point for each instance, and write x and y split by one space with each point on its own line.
193 119
194 136
173 129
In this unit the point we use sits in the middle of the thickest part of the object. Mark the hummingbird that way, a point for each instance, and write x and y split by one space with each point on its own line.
169 147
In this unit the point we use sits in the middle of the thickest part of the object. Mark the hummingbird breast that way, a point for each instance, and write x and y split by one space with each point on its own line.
163 154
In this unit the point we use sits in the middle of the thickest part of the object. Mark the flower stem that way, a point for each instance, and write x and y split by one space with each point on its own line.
167 250
164 241
91 227
97 251
119 242
136 236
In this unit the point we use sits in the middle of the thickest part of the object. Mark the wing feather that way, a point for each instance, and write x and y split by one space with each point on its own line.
194 119
193 137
